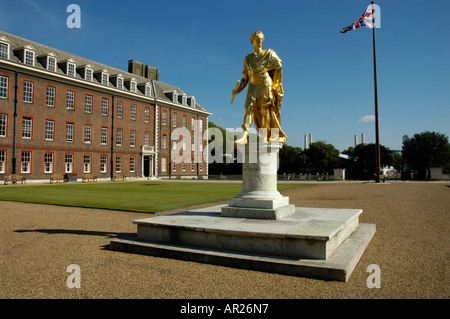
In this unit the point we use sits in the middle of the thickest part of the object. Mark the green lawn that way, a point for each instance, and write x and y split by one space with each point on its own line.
148 197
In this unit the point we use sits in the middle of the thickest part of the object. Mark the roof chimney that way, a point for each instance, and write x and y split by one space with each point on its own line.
143 70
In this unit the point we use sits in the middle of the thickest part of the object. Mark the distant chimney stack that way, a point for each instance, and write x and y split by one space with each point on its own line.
143 70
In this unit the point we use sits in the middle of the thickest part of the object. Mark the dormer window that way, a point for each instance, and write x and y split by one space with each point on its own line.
131 84
26 54
117 80
172 95
88 74
120 83
145 88
191 101
148 90
28 57
51 63
184 99
4 48
68 67
102 77
48 61
105 78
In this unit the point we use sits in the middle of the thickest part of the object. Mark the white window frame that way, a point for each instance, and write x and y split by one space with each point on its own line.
70 132
50 96
133 86
118 167
119 137
48 162
132 138
88 103
25 162
133 109
68 162
105 78
28 57
2 161
70 100
71 67
87 163
147 138
147 115
164 117
4 53
105 107
49 130
4 86
119 83
148 90
3 124
104 136
164 141
175 119
88 74
87 134
164 164
132 164
27 128
119 109
28 88
103 163
51 66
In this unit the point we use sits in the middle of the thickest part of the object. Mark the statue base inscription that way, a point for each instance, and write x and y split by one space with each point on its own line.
259 198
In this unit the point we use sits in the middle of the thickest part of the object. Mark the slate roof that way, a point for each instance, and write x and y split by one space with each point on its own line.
158 88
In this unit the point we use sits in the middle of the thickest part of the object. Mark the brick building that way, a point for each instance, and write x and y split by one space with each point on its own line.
63 114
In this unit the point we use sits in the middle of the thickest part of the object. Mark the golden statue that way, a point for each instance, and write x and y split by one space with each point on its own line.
262 70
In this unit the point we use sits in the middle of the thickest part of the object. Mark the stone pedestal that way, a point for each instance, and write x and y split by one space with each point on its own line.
259 198
258 230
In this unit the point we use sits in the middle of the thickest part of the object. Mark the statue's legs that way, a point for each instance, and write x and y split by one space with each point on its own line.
246 125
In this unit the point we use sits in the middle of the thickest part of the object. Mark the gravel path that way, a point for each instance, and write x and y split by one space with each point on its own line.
411 246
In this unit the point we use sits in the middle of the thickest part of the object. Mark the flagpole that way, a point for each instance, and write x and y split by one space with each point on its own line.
377 138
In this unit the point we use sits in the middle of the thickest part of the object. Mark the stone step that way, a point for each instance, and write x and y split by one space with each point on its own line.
312 233
338 267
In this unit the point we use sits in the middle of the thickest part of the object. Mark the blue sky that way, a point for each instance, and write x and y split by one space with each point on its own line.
199 46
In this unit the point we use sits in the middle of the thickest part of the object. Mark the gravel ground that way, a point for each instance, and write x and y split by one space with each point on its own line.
411 247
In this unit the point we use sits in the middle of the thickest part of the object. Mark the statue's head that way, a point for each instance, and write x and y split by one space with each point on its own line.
257 34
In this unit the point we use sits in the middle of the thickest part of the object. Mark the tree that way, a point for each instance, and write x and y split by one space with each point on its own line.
362 161
425 150
292 160
321 158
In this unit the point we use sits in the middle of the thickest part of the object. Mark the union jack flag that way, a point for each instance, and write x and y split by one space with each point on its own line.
366 20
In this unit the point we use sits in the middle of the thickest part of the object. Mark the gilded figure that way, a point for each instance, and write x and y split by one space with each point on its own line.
263 73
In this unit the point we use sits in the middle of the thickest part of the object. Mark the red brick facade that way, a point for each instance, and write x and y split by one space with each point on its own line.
65 125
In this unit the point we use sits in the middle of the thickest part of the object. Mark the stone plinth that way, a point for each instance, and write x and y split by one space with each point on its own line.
319 243
259 198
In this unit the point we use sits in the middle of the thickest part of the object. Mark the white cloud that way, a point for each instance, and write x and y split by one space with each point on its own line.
367 119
